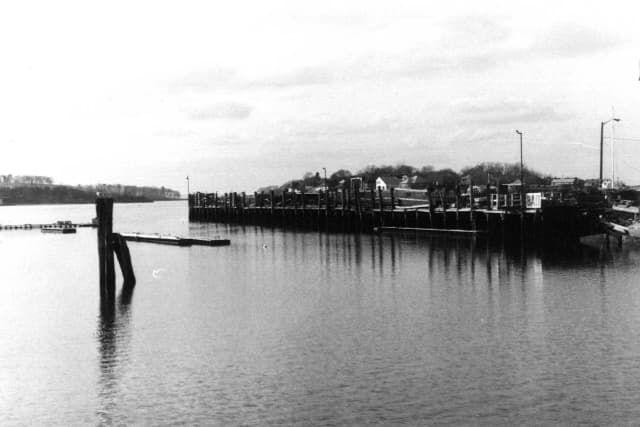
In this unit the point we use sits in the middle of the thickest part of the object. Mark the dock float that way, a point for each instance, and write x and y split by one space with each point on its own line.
55 225
173 240
58 230
434 230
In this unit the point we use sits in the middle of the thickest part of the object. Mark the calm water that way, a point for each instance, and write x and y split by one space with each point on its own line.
313 329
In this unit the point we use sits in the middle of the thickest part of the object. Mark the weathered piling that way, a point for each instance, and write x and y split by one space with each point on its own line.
108 243
104 213
121 249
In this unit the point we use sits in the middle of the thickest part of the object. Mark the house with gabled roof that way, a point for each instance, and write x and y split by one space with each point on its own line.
386 182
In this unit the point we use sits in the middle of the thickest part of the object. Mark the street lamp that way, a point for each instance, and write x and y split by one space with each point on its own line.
325 179
601 144
522 201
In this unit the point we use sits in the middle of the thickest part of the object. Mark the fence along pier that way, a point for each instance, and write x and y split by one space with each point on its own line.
375 210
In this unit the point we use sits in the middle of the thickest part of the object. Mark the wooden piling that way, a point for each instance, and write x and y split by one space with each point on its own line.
124 259
393 199
108 243
104 213
381 202
271 202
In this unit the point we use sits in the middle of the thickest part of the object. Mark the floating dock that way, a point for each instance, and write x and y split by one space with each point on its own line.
55 225
58 230
173 240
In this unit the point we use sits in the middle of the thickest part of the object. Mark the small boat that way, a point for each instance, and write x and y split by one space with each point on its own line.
58 230
632 230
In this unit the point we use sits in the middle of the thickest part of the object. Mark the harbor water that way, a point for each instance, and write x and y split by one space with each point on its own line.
309 328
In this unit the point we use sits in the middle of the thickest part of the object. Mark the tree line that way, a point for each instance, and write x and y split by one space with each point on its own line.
486 173
26 179
34 189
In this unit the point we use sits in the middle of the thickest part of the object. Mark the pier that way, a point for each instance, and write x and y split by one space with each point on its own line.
501 216
52 226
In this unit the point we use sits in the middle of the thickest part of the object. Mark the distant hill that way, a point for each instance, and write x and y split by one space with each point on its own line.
27 190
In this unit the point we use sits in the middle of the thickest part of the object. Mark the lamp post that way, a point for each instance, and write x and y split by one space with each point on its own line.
522 201
602 142
325 179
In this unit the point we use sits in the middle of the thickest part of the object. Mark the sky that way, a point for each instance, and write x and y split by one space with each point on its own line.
242 94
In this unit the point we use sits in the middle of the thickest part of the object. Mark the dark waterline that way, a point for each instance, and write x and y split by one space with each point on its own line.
314 329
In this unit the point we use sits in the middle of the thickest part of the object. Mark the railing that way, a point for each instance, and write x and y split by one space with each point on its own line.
368 200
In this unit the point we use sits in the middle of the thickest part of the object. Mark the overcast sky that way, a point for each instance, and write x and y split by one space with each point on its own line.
239 95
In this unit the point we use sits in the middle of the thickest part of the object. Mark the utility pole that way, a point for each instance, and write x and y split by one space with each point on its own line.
614 119
613 163
522 194
523 202
325 179
601 146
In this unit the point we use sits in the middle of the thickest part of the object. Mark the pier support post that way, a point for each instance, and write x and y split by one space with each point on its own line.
124 259
104 213
108 243
381 202
393 199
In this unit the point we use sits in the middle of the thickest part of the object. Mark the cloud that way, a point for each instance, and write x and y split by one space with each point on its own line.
174 133
569 40
207 80
474 30
470 43
306 76
507 111
226 110
323 129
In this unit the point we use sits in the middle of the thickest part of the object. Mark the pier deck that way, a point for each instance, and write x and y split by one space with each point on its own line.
357 213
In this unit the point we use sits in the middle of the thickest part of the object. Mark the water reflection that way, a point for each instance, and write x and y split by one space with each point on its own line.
113 336
452 327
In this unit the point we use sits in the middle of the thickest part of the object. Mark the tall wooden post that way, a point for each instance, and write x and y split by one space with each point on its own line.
430 199
104 213
225 206
393 199
124 259
381 203
472 220
373 199
271 202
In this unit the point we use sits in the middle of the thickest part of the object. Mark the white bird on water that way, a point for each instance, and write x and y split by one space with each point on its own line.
156 273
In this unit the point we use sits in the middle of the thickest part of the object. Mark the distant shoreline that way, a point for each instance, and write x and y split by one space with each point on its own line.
86 202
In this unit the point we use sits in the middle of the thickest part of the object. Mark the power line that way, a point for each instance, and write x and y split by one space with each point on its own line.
617 138
627 164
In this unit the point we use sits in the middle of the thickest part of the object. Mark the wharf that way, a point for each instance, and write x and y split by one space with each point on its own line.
371 212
